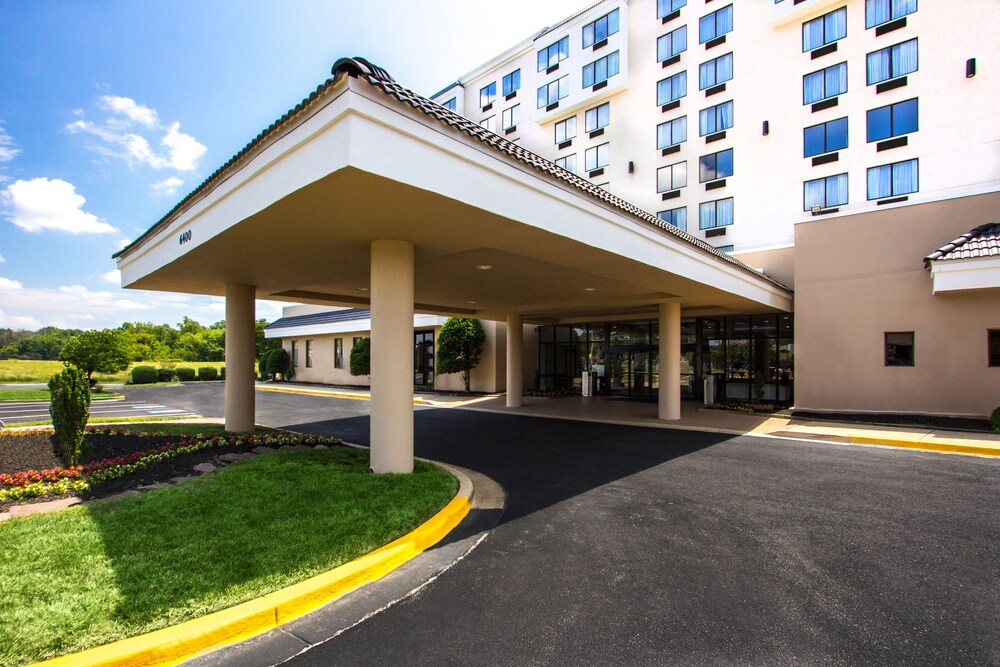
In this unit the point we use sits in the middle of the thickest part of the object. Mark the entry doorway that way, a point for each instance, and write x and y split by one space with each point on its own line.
423 359
643 373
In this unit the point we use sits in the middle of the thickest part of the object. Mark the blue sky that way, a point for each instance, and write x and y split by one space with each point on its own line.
112 111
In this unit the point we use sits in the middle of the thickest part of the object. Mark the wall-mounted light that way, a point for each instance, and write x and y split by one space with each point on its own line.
970 68
816 210
765 128
631 166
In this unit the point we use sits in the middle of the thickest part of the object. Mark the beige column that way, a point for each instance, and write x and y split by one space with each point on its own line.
670 360
392 356
240 352
515 368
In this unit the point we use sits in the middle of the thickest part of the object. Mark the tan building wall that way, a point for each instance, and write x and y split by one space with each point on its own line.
860 276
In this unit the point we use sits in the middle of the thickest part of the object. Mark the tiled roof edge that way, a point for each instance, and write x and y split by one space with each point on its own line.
328 317
943 252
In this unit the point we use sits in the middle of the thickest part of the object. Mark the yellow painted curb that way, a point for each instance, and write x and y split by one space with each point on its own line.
928 446
173 645
332 394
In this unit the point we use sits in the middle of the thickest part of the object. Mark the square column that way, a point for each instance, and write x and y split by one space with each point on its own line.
392 356
515 366
670 361
240 351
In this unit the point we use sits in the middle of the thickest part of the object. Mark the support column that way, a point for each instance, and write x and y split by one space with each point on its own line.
515 364
240 352
670 360
392 356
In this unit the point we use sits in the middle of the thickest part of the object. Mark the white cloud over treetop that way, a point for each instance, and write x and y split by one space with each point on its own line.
54 204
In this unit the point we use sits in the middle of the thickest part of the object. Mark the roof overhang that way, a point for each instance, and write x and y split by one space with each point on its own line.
956 275
295 214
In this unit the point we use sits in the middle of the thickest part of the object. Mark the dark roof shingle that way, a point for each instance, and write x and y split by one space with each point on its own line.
983 241
328 317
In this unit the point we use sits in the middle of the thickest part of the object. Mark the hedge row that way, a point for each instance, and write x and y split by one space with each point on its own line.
150 374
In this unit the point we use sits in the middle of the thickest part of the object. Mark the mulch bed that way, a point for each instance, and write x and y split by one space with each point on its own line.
37 451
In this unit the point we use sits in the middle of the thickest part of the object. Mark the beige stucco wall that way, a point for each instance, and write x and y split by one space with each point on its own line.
323 370
859 276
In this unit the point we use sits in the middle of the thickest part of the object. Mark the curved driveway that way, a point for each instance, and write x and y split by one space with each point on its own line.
624 545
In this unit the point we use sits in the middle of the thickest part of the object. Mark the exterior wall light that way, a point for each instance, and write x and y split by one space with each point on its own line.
816 210
970 68
765 128
631 166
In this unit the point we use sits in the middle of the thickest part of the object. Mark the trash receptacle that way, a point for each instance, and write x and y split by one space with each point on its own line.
710 389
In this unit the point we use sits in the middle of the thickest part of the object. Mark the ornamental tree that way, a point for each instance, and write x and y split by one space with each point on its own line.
460 344
69 407
101 351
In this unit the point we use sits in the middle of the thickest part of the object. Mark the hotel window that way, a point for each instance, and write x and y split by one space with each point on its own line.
338 352
716 24
597 157
309 353
672 88
717 213
451 104
828 82
715 71
672 44
599 30
664 7
824 29
356 340
891 180
899 348
551 93
671 133
825 192
295 354
892 61
487 94
678 217
878 12
893 120
600 70
725 248
715 119
672 177
825 137
512 82
715 166
568 163
565 129
489 123
597 118
511 117
993 346
551 55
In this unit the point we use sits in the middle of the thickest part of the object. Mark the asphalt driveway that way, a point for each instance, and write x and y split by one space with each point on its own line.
625 545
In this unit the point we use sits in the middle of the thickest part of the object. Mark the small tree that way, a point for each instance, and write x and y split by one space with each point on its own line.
278 361
460 344
361 357
69 407
96 351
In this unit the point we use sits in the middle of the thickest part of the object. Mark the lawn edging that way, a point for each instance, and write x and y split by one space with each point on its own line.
228 626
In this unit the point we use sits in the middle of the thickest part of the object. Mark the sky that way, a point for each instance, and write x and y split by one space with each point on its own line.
112 111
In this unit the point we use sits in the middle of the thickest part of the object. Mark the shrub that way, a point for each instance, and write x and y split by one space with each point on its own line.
278 361
460 344
166 375
206 373
222 373
69 407
185 374
144 375
361 357
262 365
995 420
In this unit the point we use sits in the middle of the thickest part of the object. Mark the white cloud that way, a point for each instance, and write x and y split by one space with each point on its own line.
185 150
8 150
8 285
167 186
19 321
113 276
2 259
50 204
66 306
130 109
122 242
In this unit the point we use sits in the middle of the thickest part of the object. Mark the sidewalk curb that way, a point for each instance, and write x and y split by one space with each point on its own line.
943 447
330 394
177 643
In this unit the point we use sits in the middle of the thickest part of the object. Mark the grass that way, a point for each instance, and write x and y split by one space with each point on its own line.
23 371
32 394
112 569
139 425
125 421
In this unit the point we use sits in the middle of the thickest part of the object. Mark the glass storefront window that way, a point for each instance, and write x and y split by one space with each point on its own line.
738 327
765 325
597 333
737 359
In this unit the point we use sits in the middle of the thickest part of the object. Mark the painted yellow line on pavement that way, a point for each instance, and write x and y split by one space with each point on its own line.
949 447
332 394
173 645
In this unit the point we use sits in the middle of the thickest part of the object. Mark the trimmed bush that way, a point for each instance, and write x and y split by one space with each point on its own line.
279 361
70 409
185 374
361 353
144 375
995 420
222 373
206 373
166 374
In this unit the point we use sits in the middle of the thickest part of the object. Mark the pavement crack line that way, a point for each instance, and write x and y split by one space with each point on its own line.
291 634
388 605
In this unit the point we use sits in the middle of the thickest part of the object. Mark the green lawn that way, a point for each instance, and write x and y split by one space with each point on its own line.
31 394
21 371
112 569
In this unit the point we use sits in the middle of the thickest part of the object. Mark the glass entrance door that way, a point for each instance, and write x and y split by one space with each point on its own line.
643 375
423 359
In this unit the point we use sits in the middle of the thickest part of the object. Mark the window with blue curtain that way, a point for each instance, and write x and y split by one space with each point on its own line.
551 55
678 217
716 24
715 166
512 82
825 192
600 70
824 29
825 83
487 94
598 117
672 88
552 92
599 30
891 180
892 61
717 213
664 7
825 137
671 44
878 12
893 120
671 133
715 119
715 71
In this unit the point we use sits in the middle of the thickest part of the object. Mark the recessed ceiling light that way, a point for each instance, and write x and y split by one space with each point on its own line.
362 289
589 289
484 267
470 301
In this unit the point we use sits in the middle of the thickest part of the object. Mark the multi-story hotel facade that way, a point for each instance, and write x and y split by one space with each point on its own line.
838 146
